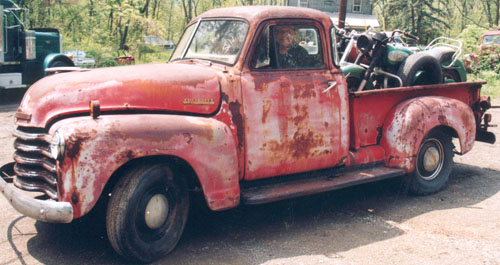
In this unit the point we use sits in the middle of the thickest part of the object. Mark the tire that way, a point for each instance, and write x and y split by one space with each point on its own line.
444 56
422 67
131 233
431 175
57 64
451 76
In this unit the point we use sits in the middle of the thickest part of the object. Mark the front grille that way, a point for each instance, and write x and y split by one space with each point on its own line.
35 168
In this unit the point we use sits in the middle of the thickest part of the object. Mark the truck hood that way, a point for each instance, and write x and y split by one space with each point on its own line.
178 88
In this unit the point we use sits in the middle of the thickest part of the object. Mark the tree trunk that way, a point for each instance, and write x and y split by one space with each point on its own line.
497 12
169 32
487 9
187 7
91 8
123 37
145 9
413 28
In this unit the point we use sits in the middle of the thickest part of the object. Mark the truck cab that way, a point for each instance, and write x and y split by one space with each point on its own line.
25 54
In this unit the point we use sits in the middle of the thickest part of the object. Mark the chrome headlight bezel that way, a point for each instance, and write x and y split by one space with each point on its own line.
57 145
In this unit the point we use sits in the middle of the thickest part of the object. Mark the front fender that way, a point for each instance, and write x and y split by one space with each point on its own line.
96 148
409 122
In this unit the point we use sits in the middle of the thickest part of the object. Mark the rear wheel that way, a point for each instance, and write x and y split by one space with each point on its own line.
433 164
147 213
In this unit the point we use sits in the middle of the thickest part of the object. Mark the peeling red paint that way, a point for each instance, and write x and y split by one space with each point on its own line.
144 87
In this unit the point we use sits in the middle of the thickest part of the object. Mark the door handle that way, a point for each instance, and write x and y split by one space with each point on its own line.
331 85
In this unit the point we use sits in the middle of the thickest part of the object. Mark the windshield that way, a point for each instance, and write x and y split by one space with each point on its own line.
490 38
214 40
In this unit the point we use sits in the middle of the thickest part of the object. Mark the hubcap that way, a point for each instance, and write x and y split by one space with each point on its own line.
156 211
431 159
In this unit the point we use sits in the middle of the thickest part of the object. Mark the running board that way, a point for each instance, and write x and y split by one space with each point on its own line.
327 181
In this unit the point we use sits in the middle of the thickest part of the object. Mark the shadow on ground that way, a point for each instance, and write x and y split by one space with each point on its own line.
324 224
10 99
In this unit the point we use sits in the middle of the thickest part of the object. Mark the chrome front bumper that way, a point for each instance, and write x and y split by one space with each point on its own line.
43 210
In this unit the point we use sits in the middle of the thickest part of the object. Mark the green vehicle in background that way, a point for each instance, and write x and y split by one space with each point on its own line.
26 54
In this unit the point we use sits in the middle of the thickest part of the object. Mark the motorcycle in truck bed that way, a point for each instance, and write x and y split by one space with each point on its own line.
251 108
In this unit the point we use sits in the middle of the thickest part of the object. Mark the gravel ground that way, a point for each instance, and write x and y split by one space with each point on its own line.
377 223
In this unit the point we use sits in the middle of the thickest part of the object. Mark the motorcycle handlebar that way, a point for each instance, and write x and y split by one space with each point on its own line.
405 34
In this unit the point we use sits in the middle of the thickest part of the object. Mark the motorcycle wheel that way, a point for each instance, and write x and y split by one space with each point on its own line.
420 69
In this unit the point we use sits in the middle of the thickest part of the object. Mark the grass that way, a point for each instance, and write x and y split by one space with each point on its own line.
492 88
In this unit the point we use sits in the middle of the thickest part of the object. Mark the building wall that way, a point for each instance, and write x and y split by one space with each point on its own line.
334 5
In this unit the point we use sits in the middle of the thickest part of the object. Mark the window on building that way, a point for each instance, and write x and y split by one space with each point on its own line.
303 3
356 6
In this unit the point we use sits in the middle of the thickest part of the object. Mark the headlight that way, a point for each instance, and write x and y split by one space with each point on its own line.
57 145
364 43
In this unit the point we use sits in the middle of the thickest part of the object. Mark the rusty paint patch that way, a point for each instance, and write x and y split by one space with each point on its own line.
75 143
237 120
300 146
306 90
189 137
75 198
126 155
301 116
266 107
225 97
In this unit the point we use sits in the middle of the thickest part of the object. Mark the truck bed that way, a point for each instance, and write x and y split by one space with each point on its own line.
368 109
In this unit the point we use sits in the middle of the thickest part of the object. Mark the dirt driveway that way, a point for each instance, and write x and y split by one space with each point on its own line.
371 224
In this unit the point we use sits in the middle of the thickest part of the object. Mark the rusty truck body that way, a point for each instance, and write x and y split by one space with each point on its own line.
222 118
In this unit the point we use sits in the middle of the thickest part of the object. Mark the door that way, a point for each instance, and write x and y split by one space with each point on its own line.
291 103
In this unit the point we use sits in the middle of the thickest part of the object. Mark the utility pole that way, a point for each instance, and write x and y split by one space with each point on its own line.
342 13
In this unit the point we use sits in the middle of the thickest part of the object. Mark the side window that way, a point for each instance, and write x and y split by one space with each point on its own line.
288 47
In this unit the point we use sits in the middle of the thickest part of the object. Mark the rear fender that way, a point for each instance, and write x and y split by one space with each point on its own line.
409 122
96 148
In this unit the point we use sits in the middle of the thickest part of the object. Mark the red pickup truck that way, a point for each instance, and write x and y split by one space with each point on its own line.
229 118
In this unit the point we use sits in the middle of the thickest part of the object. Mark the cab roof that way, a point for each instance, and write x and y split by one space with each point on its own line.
255 14
492 32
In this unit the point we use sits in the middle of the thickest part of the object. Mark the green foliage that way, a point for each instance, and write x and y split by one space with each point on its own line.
107 62
492 88
471 37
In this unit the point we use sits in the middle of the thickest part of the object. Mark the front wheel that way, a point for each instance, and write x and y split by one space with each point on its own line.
147 213
433 164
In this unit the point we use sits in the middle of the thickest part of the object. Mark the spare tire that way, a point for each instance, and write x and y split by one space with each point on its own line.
420 69
444 55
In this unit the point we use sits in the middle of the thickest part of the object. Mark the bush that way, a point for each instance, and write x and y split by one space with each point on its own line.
108 62
471 38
